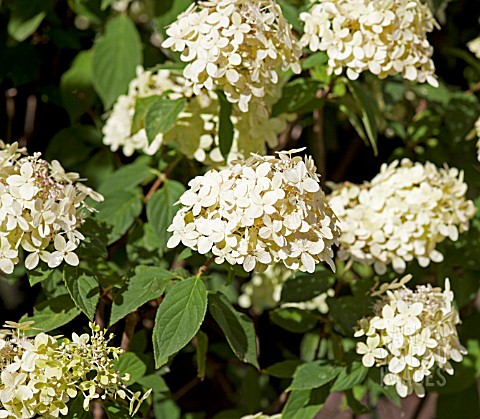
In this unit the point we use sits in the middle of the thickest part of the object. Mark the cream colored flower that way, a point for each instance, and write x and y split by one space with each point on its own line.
385 37
196 131
254 213
401 215
474 46
39 204
410 333
40 375
238 46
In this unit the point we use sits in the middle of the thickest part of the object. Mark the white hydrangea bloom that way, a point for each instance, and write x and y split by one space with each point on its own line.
264 290
238 46
195 132
40 375
412 332
39 204
401 215
258 212
474 46
385 37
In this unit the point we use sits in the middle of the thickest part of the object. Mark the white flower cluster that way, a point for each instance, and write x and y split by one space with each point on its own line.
238 46
264 290
40 375
39 204
401 215
412 332
385 37
195 132
258 212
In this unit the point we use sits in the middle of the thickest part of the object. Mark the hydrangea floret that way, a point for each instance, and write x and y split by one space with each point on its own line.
40 205
385 37
401 215
41 374
258 212
264 290
411 333
195 132
238 46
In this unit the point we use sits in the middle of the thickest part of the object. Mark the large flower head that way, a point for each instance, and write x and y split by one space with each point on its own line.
40 375
401 215
196 130
257 212
386 37
411 333
238 46
40 204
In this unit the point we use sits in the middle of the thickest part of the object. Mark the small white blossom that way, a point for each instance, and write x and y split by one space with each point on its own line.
385 37
39 203
401 215
411 332
474 46
231 208
238 46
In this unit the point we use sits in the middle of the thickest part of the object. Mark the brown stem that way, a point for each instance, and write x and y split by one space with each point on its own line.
186 388
154 187
130 324
204 267
161 178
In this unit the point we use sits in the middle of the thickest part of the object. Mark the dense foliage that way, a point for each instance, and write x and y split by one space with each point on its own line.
248 205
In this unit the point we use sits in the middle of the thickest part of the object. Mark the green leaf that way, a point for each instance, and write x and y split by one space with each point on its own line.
147 284
142 105
201 354
225 125
314 375
350 376
116 55
115 410
94 245
162 115
127 177
293 319
76 85
52 314
299 95
75 409
130 363
368 110
291 14
82 286
238 328
317 59
25 18
161 208
40 273
304 286
345 312
302 404
178 318
155 382
283 369
119 211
